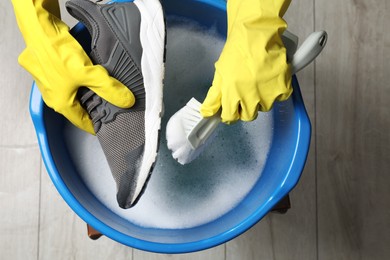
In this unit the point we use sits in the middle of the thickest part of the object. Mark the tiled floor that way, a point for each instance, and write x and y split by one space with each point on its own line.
340 208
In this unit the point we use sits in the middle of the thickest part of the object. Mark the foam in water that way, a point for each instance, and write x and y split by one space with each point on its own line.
183 196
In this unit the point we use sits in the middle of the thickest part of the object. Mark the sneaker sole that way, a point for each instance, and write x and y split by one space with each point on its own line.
153 68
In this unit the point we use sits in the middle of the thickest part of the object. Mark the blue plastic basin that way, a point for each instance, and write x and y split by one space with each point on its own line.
283 168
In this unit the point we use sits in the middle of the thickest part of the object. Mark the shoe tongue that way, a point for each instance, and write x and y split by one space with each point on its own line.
90 14
86 12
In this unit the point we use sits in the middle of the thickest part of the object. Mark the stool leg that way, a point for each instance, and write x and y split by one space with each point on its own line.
92 233
283 205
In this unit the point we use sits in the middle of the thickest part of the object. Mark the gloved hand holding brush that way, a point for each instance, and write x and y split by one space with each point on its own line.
252 71
59 64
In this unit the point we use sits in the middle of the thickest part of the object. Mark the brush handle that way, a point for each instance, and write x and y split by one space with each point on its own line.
202 130
309 50
203 127
290 42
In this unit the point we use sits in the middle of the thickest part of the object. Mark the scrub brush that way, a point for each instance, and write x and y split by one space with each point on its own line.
188 133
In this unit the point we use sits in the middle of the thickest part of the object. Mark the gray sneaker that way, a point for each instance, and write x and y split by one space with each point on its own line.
128 39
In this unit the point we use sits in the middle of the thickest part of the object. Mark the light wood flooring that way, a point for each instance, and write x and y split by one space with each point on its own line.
341 206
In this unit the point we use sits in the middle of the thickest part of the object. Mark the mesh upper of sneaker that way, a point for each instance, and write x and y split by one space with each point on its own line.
116 46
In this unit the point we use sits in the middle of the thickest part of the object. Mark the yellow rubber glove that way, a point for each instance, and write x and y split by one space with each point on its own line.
252 70
59 64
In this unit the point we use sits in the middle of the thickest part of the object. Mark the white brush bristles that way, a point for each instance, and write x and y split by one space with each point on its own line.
193 116
179 126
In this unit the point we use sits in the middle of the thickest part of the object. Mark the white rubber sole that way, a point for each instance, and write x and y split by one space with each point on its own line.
152 36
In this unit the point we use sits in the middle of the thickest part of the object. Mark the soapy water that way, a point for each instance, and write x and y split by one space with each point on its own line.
183 196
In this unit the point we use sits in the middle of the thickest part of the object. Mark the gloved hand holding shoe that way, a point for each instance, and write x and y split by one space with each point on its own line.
59 64
252 71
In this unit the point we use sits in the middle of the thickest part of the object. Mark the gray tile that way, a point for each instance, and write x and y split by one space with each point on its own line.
256 243
216 253
19 201
16 127
353 131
